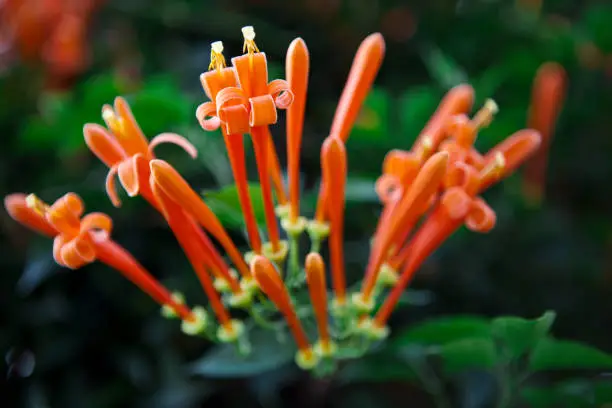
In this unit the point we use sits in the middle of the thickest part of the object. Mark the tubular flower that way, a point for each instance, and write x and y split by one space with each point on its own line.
547 98
175 187
333 163
315 276
217 78
427 193
79 240
125 150
366 64
271 284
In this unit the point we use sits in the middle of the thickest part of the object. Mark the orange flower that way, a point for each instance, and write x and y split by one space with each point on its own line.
213 81
80 241
405 214
315 276
547 99
457 206
178 221
272 285
366 64
333 163
175 187
297 66
125 149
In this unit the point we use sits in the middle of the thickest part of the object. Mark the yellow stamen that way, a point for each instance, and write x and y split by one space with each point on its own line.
113 121
248 32
495 168
36 204
484 116
217 60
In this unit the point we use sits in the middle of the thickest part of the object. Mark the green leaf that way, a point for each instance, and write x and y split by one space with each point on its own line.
377 367
266 354
226 205
468 354
519 335
552 354
443 330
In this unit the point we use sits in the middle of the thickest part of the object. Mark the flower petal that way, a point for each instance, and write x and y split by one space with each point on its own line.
18 210
175 139
111 188
132 140
103 144
207 116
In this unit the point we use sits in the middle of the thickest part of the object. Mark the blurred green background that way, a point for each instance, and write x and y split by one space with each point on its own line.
88 338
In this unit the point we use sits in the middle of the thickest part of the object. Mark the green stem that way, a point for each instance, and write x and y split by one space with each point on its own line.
315 244
293 275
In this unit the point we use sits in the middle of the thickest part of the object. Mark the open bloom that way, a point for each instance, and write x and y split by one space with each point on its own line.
125 150
80 240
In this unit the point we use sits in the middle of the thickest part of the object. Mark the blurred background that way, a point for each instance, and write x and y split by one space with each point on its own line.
88 338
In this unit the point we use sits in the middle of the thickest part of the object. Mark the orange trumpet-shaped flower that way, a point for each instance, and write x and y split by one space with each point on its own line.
213 81
459 205
547 99
173 185
407 210
333 163
297 66
125 149
79 241
315 276
272 285
366 64
178 221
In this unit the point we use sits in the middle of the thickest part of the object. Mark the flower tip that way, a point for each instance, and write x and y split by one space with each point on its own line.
13 202
376 39
314 262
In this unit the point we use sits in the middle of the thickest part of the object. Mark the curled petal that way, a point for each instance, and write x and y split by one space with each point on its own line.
175 139
207 116
76 253
252 72
263 111
58 243
457 203
131 171
98 223
229 97
237 120
103 144
18 210
111 189
481 218
65 213
281 92
388 187
462 175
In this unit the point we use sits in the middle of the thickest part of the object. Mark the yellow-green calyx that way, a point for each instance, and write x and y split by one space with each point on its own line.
197 324
277 256
249 285
241 300
387 276
340 308
248 257
222 285
368 328
326 349
168 311
294 228
282 211
361 304
306 359
231 331
318 230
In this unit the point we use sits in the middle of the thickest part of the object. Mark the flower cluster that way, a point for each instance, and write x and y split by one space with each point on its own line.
427 193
